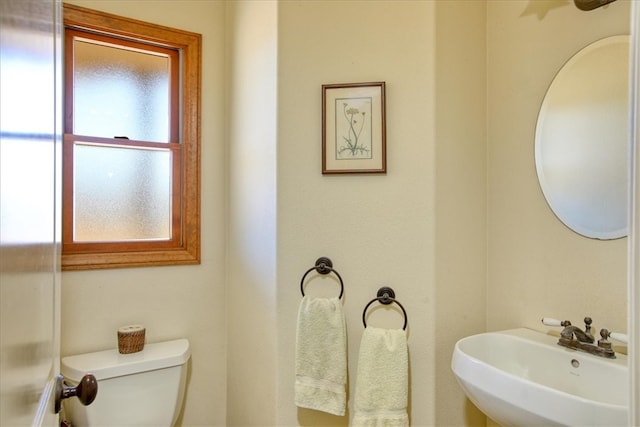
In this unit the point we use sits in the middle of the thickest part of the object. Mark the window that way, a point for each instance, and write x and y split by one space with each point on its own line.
131 187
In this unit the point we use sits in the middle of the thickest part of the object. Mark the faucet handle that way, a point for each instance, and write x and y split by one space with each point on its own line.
587 326
555 322
623 338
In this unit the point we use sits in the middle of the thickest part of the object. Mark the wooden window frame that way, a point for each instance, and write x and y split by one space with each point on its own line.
184 246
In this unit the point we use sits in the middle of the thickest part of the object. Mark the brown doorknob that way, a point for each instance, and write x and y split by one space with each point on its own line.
85 391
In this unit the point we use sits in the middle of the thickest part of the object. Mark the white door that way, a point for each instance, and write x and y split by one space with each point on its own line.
29 206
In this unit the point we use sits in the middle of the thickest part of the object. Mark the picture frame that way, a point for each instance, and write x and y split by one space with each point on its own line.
354 128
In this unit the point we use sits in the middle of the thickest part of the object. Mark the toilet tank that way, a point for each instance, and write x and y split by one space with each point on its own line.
138 389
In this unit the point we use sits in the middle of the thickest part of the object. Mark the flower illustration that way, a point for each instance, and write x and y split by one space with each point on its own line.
355 124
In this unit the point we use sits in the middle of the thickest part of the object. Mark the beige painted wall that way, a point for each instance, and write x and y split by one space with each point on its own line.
172 302
251 281
377 229
537 266
460 262
387 229
461 209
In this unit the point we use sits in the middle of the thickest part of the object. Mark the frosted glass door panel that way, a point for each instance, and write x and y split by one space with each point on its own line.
120 92
121 194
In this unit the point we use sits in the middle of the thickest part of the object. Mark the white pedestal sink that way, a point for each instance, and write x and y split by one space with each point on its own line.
521 377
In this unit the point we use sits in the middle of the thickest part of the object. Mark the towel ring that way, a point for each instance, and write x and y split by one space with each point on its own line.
323 266
386 296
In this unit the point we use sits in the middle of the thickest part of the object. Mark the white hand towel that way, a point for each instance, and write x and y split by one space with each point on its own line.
383 379
321 356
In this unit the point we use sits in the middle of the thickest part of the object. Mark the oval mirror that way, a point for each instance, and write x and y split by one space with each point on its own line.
581 140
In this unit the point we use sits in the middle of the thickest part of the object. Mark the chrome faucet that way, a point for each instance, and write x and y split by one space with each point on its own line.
584 340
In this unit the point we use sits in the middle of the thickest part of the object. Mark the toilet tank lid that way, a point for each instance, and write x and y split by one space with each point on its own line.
110 363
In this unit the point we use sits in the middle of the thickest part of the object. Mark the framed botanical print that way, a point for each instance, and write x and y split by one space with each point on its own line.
354 128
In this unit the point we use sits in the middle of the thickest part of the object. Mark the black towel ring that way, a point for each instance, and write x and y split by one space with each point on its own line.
386 296
323 266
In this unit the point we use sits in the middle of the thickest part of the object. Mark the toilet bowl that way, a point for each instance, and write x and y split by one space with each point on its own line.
138 389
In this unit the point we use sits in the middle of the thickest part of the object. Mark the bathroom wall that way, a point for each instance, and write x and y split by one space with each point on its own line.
457 226
536 266
419 228
461 207
531 266
401 229
172 302
251 281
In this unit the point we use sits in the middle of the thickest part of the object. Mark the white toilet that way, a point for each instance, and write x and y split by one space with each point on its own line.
138 389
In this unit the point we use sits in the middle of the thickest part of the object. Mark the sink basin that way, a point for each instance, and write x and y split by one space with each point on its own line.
521 377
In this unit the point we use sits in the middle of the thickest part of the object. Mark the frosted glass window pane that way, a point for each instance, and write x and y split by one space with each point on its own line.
121 194
120 92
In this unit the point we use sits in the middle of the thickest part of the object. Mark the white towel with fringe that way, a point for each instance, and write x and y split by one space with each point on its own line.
321 356
382 380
